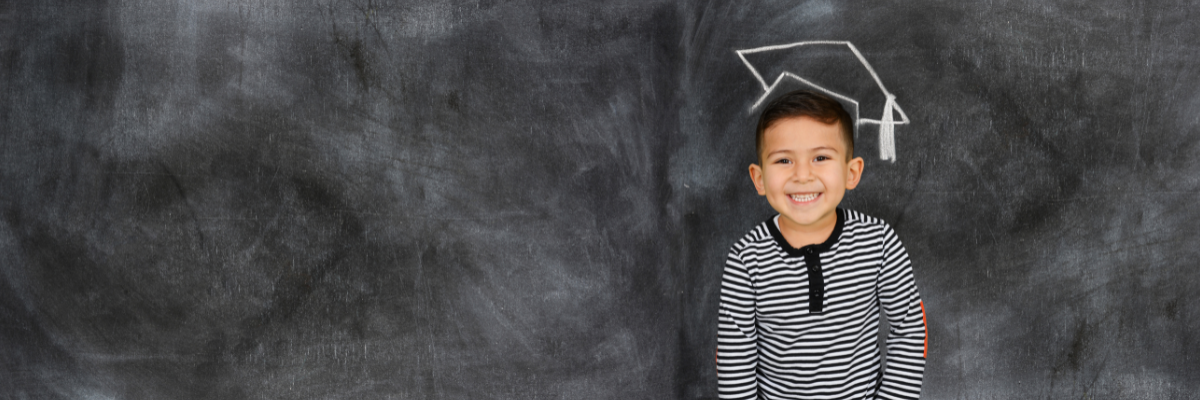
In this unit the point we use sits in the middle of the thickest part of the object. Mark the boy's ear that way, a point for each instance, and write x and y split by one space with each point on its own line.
854 169
756 175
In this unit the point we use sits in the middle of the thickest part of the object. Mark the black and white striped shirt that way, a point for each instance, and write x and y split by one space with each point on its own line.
780 336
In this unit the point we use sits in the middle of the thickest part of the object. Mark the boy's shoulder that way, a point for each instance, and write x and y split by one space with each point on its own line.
865 226
855 218
757 236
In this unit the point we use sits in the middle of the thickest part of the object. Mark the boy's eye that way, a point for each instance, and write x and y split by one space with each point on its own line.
822 158
783 161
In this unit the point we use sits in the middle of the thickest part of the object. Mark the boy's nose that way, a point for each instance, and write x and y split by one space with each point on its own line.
802 173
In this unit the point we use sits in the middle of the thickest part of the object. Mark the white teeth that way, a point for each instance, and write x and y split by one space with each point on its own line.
804 197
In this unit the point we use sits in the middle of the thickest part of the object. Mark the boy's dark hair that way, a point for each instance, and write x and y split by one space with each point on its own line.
805 103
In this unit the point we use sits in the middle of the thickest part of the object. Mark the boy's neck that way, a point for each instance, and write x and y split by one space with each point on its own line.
800 236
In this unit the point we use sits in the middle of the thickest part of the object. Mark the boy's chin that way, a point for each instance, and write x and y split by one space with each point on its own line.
813 220
813 216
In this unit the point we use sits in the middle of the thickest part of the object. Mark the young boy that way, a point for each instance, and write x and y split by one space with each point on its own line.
802 292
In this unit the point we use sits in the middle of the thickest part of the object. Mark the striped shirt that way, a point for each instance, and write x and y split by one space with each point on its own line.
804 323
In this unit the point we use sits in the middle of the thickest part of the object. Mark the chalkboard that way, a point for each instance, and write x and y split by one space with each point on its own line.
249 199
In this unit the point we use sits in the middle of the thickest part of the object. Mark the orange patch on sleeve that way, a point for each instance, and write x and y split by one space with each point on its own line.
926 323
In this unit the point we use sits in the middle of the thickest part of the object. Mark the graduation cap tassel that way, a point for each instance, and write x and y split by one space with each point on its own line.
887 131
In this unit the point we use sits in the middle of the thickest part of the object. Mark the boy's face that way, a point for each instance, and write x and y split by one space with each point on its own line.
805 172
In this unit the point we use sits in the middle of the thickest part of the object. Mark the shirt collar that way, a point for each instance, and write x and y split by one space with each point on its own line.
773 227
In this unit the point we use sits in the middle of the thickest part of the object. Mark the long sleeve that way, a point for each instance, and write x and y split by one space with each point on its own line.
906 340
737 336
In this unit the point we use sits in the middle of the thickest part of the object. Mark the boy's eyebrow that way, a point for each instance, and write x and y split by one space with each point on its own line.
834 149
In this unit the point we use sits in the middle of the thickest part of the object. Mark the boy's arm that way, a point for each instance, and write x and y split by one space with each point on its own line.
737 337
906 341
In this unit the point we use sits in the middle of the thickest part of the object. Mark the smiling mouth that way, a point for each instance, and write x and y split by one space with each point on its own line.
804 197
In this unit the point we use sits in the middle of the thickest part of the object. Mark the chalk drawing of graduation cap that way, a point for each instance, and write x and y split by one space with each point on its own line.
887 122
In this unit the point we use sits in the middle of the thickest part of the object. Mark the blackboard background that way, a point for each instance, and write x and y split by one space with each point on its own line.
533 199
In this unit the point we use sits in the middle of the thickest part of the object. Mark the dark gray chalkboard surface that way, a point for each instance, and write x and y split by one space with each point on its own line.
345 199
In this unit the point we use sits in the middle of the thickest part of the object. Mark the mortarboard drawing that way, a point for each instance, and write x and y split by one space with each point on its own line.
887 123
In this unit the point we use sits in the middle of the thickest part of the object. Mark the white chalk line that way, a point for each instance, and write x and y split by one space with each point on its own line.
887 123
